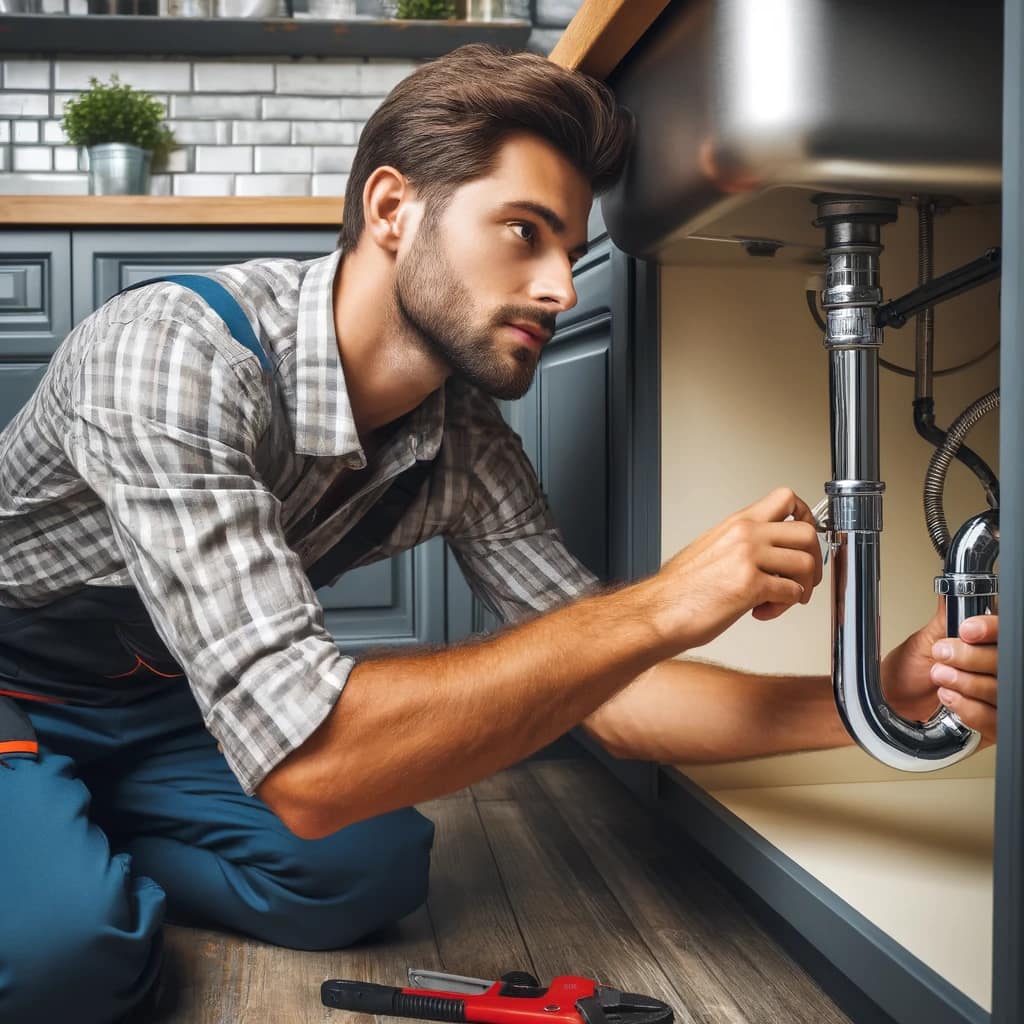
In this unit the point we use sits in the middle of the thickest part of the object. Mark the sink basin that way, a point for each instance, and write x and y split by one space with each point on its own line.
747 108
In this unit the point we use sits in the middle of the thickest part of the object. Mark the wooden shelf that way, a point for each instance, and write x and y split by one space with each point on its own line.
244 37
114 211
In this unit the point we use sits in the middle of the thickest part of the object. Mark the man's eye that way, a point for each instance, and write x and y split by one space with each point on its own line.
527 232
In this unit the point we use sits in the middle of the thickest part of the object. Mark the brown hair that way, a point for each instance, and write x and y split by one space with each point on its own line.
443 125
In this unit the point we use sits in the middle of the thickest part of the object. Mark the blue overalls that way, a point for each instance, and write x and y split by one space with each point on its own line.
127 806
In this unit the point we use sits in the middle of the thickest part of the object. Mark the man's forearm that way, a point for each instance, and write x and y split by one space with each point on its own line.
690 711
413 727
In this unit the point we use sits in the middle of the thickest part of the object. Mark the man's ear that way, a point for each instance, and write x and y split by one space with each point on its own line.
386 198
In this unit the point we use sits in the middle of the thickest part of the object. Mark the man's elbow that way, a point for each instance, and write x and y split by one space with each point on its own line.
600 729
299 809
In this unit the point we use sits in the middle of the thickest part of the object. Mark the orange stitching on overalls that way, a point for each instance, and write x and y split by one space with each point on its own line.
139 663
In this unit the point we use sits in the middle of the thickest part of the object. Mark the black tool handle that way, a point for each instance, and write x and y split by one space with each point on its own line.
364 997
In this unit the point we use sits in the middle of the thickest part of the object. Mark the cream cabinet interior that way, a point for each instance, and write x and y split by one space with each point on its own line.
745 409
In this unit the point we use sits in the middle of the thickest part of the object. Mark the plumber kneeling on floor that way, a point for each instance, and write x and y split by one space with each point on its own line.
181 735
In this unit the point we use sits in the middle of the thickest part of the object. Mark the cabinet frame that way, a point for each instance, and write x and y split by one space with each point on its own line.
1008 877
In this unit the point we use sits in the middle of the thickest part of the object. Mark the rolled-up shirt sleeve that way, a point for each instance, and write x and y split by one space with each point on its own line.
505 541
169 416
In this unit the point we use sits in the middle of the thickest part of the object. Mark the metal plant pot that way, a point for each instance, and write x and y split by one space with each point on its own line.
118 169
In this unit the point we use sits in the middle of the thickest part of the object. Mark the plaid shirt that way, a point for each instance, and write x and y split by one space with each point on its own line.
156 454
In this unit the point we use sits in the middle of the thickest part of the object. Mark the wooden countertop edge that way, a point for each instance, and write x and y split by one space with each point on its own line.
114 211
603 32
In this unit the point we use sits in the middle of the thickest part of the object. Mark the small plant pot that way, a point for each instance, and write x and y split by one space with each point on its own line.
118 169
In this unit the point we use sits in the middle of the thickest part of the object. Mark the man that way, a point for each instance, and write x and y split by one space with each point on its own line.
168 488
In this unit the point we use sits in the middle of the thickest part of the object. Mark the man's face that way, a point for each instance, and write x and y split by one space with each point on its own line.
481 284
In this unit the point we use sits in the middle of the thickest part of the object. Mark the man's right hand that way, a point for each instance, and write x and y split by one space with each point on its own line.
753 561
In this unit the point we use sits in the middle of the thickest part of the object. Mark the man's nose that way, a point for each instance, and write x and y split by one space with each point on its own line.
554 286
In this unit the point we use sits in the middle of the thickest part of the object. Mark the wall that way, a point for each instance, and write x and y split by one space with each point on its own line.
745 409
246 127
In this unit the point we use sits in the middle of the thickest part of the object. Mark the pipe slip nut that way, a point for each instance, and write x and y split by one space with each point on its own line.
967 584
852 327
855 506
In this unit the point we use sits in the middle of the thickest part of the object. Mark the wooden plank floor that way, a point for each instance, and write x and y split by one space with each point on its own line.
551 867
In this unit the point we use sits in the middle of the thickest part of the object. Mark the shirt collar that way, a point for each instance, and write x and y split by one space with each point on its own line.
324 424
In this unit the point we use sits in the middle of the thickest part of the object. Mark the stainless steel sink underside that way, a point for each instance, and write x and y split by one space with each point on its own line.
747 108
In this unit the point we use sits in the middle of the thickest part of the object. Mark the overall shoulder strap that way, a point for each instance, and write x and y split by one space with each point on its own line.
377 525
224 304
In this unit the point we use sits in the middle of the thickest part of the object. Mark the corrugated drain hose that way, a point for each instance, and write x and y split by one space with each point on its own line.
935 478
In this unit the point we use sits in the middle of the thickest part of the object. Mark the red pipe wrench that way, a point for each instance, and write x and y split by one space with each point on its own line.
515 998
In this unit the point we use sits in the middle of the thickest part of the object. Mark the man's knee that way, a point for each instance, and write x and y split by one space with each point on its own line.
346 885
88 956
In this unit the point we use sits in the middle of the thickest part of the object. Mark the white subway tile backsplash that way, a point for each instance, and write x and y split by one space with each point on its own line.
179 161
5 131
149 75
24 104
556 13
283 159
26 131
3 158
302 108
333 159
241 107
26 74
358 108
209 132
233 76
272 185
324 133
261 132
33 158
379 77
202 184
330 185
53 133
48 184
224 158
320 77
65 158
160 185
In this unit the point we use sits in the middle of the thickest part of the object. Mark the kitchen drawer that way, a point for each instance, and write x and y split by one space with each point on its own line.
35 293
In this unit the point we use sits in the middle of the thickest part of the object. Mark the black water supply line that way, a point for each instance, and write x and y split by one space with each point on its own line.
924 402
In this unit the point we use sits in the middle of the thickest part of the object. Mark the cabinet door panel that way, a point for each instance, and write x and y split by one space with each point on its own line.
395 603
574 455
17 382
107 261
35 293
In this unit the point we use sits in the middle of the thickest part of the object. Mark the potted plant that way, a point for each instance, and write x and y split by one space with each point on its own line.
425 10
124 132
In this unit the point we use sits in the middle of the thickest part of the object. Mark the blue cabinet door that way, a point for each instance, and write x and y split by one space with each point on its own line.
35 310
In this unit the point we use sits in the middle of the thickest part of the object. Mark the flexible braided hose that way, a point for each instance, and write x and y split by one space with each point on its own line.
935 478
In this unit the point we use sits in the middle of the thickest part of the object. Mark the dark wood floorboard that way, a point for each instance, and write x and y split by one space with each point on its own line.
551 867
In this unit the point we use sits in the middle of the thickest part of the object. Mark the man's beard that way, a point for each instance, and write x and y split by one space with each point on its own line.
435 306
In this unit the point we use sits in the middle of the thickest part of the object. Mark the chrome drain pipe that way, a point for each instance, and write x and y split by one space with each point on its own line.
852 293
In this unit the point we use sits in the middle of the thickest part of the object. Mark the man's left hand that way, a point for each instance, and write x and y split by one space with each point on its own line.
929 668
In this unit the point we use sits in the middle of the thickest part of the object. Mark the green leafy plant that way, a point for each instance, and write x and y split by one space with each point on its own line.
425 10
115 112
